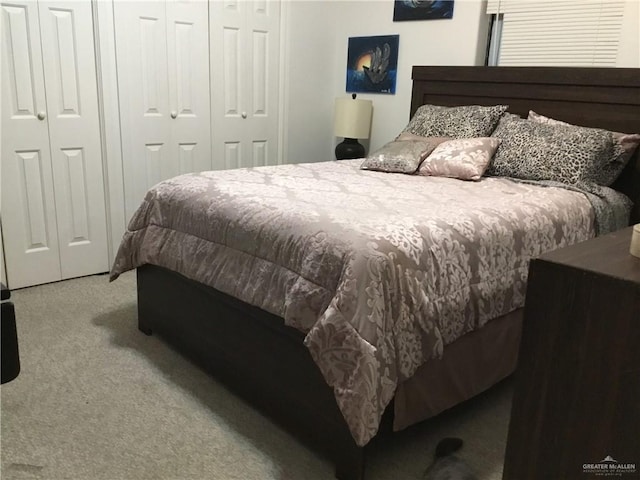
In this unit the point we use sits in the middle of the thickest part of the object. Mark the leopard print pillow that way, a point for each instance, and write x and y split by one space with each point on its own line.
456 122
538 151
624 144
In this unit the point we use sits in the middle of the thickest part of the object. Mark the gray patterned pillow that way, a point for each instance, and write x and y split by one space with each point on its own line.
463 158
457 122
538 151
400 157
404 136
624 144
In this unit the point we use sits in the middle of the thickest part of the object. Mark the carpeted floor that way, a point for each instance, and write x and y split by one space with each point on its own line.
98 400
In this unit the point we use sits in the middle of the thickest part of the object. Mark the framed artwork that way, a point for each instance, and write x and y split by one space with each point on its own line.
422 10
372 64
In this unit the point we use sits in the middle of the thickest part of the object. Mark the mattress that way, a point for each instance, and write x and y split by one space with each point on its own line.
381 271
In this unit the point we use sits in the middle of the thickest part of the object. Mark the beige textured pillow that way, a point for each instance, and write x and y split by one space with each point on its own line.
463 158
400 157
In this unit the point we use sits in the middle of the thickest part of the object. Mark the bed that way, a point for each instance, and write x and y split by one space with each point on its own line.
283 369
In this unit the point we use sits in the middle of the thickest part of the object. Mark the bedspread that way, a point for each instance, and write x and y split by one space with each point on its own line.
379 270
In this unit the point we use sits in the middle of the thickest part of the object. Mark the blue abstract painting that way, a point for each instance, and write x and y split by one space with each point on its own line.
422 10
372 64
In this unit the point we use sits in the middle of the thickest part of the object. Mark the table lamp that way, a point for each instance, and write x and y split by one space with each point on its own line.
352 121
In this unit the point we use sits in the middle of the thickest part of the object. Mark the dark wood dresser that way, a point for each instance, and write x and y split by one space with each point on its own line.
577 385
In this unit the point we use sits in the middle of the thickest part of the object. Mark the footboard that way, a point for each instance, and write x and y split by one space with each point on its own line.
254 354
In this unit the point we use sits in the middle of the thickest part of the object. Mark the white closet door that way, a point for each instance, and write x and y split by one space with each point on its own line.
163 72
188 72
74 130
141 51
244 80
28 205
263 23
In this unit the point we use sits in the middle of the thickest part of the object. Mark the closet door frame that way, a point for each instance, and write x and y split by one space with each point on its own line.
108 102
283 87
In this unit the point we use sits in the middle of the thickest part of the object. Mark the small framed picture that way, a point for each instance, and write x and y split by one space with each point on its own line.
422 10
372 64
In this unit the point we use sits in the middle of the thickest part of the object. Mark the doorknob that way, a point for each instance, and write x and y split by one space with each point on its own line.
174 114
244 114
41 116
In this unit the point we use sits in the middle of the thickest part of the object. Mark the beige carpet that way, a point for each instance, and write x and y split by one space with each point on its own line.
96 399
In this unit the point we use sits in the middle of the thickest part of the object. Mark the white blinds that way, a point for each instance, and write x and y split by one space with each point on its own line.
559 32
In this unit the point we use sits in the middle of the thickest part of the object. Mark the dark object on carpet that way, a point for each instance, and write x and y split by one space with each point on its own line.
446 465
10 360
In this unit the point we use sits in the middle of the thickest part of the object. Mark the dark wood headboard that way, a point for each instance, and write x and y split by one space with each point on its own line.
606 98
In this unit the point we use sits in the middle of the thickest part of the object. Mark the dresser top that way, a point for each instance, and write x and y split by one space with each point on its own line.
607 255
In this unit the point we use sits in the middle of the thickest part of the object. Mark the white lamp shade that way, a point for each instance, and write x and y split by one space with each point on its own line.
352 118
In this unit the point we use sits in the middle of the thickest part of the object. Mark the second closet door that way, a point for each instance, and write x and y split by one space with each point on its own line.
74 130
54 220
245 48
163 81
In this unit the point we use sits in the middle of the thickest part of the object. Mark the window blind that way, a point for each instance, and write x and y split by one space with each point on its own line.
560 32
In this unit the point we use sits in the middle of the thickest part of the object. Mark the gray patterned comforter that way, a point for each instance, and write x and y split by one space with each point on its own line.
380 270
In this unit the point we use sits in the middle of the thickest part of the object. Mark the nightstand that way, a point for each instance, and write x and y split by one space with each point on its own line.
577 386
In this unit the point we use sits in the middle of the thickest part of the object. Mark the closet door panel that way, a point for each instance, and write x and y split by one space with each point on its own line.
141 51
264 25
28 204
188 75
70 76
245 72
229 83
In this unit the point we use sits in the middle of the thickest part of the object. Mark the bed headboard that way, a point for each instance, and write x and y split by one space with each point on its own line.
594 97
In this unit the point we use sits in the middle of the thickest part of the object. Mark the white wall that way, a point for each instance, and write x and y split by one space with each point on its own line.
318 36
629 48
309 73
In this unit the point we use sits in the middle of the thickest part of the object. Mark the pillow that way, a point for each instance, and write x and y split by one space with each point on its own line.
464 158
538 151
404 136
400 157
456 122
624 146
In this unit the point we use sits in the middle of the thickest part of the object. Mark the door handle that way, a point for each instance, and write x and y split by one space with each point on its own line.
174 114
244 114
42 115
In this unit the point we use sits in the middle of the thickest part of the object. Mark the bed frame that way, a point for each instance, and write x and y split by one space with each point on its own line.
253 353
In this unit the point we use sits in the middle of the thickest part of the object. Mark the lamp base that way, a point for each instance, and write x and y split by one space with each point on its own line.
348 149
